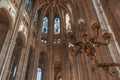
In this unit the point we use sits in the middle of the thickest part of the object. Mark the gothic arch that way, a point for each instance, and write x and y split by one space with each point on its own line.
60 6
6 14
5 24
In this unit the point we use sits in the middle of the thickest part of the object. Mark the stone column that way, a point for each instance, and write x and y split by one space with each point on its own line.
35 64
6 64
50 52
104 15
25 52
81 15
33 75
5 47
82 63
64 52
20 65
111 11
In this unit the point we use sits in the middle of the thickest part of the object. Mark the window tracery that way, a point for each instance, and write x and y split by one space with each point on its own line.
45 25
56 26
28 6
39 74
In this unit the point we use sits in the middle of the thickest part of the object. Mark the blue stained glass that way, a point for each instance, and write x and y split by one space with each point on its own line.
28 6
14 72
56 26
39 74
45 25
45 30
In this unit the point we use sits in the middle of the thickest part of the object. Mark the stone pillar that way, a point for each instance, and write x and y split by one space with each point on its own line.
25 53
50 52
111 11
38 48
5 47
36 61
20 65
102 14
6 64
81 15
64 52
24 63
87 13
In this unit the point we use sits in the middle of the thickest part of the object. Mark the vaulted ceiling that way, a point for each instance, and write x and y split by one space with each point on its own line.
54 7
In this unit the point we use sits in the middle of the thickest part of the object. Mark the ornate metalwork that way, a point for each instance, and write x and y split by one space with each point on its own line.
88 44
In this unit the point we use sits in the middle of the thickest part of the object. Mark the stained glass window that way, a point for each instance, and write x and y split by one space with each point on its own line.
14 72
36 19
39 74
28 6
56 26
68 24
45 25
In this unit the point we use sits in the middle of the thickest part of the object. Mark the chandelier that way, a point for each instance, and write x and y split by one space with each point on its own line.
88 44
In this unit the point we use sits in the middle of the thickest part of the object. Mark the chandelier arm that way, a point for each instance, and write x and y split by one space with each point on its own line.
98 44
96 35
107 66
88 44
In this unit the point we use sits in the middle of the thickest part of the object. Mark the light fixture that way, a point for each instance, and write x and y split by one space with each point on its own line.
88 44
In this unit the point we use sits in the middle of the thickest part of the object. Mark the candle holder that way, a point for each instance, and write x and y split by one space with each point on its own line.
88 44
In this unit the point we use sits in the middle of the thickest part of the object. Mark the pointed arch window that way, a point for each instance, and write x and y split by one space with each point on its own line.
68 24
39 74
56 26
28 6
45 25
36 19
14 71
14 67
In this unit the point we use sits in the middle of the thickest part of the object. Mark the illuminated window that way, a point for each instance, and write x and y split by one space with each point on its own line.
68 24
39 74
28 6
56 26
36 19
15 70
45 25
